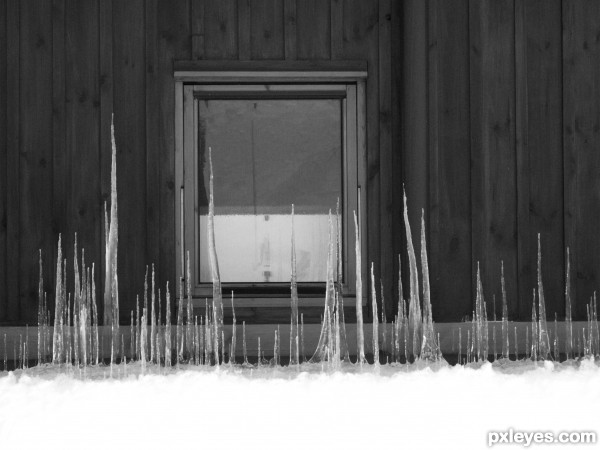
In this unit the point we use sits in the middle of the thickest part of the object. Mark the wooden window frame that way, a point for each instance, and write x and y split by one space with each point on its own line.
277 79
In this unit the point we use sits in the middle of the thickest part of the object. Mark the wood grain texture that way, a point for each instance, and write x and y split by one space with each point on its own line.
267 37
82 115
449 161
581 116
313 22
244 26
105 32
3 167
414 98
493 158
289 10
35 165
361 41
13 84
152 87
389 180
221 29
539 149
60 154
397 109
130 135
173 44
196 28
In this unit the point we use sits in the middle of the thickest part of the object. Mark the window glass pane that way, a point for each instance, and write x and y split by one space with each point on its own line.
268 154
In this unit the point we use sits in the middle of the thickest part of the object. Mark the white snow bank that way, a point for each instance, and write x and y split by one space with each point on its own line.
390 407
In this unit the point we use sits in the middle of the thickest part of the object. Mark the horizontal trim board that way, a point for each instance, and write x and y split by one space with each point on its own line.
249 76
358 66
448 333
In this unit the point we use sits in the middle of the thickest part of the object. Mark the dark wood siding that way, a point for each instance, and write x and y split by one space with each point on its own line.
486 111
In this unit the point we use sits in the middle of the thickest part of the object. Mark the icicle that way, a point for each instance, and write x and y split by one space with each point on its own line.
189 324
214 263
429 348
294 294
233 333
302 336
58 310
325 337
516 346
505 347
180 323
414 313
360 338
152 319
40 311
534 330
556 349
245 354
143 338
460 346
259 354
543 340
375 319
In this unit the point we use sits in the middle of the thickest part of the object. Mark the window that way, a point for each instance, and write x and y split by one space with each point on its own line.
278 137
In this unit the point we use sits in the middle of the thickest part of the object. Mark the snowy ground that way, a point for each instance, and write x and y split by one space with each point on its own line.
386 407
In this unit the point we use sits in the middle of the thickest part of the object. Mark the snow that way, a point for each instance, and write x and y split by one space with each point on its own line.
410 407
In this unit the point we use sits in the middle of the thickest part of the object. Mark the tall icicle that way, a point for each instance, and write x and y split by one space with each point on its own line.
344 352
360 337
214 263
325 338
543 340
428 344
168 328
111 306
41 312
58 309
568 318
414 308
375 318
505 345
233 333
294 296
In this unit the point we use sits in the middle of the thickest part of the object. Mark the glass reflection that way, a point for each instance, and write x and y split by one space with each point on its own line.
268 155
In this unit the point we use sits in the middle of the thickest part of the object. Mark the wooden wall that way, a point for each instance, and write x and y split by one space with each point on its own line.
488 111
501 139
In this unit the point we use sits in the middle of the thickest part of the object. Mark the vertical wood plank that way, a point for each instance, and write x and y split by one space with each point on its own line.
244 29
449 224
493 170
197 28
82 131
539 149
337 29
152 126
12 158
396 95
173 43
313 22
59 145
266 29
130 135
289 8
35 168
360 35
414 119
221 29
106 110
388 179
581 71
3 174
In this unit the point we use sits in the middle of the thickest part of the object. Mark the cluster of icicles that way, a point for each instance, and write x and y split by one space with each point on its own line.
77 337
